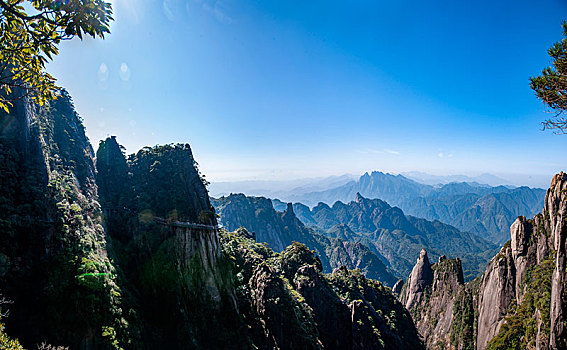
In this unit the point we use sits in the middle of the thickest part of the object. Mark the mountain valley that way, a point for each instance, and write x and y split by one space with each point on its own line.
370 223
481 209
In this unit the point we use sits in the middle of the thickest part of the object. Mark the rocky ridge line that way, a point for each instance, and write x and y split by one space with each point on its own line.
520 298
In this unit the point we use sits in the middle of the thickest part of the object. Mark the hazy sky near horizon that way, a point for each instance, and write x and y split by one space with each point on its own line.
290 89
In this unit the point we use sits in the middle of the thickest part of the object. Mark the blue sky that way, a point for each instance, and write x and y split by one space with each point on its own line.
290 89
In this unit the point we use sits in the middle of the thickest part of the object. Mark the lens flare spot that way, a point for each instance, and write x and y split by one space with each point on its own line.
102 72
167 11
124 72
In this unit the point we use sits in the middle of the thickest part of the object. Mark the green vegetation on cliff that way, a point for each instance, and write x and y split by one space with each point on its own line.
53 245
528 323
181 283
280 229
6 343
289 303
462 334
518 303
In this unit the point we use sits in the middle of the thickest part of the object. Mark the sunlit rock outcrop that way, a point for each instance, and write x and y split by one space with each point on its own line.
518 302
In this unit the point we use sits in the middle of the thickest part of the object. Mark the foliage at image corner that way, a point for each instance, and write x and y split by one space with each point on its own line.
30 32
6 342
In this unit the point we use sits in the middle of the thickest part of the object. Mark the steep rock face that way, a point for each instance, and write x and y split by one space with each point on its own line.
198 252
331 314
56 262
112 175
291 329
497 292
257 215
166 183
290 304
447 284
506 278
421 276
397 288
435 295
519 300
556 209
157 207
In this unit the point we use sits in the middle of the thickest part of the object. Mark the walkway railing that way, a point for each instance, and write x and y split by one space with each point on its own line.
185 224
108 210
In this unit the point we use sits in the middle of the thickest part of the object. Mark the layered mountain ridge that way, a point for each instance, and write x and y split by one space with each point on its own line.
397 237
485 210
280 229
519 301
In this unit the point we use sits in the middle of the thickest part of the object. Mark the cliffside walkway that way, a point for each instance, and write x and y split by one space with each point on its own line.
186 224
111 210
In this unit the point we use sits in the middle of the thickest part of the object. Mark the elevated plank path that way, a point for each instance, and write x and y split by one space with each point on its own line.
186 224
111 210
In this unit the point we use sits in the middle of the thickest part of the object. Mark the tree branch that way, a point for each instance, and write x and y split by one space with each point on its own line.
24 16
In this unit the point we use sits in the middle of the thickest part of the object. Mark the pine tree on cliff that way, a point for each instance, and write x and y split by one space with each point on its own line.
551 85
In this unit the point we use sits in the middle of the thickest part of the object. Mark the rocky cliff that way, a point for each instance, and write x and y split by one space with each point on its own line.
439 303
280 229
519 301
157 210
289 303
421 276
258 215
556 210
56 265
83 275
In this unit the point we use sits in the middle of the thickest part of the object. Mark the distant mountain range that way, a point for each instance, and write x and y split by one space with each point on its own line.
428 179
485 210
278 189
485 205
285 189
355 234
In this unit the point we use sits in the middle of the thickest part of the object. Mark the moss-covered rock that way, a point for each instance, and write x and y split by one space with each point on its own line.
60 274
342 310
